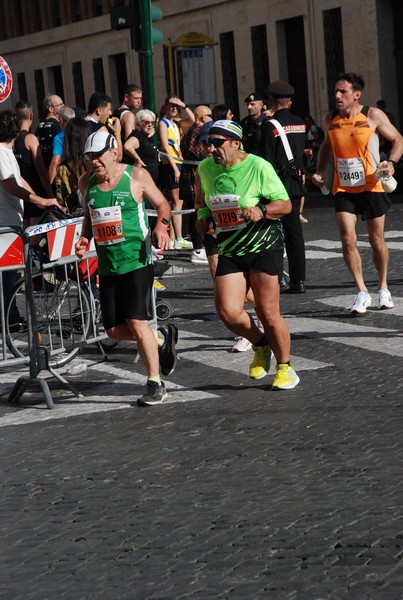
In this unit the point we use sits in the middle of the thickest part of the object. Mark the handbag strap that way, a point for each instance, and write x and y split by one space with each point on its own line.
284 139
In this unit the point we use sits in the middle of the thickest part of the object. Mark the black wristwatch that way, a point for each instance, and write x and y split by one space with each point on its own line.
394 163
263 208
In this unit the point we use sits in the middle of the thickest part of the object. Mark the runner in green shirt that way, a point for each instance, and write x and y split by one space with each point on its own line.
115 216
245 199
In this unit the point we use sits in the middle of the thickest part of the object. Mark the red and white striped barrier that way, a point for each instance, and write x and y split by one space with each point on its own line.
61 236
11 250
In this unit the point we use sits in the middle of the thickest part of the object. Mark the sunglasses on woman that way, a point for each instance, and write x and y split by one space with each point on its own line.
149 122
217 142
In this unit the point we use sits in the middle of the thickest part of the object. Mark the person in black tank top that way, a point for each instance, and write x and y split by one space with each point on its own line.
28 153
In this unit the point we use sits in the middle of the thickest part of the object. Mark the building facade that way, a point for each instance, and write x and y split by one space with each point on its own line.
215 51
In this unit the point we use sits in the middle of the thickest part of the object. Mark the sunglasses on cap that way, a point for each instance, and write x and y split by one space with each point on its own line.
217 142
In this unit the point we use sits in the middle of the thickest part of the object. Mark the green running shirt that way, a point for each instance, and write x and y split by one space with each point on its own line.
123 242
252 179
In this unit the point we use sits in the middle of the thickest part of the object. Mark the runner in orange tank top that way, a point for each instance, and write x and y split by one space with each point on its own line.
351 138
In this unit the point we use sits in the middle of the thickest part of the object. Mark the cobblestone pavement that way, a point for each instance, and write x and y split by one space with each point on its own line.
229 490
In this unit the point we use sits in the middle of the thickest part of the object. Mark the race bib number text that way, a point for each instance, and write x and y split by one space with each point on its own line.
226 212
351 172
107 225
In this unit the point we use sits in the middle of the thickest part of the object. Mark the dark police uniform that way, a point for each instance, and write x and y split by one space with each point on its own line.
272 149
252 127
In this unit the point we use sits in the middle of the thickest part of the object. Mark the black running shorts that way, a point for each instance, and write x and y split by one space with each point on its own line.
369 205
126 296
268 261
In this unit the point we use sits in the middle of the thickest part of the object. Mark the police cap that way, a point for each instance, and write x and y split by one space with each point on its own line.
254 96
280 89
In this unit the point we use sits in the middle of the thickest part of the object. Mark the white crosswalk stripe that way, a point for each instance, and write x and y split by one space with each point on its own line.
374 339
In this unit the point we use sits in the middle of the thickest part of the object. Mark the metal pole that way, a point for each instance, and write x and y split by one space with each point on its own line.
171 67
146 52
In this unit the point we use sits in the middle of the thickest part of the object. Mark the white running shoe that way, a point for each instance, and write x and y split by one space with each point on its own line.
199 257
361 303
385 299
241 345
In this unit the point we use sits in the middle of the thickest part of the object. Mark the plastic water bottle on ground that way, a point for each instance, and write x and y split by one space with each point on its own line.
75 367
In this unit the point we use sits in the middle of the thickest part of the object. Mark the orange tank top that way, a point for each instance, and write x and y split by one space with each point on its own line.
356 154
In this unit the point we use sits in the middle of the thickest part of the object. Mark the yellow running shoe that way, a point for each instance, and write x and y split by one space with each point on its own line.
285 379
260 365
159 286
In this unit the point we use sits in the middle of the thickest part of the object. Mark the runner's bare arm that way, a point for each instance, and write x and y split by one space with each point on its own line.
324 155
380 123
274 211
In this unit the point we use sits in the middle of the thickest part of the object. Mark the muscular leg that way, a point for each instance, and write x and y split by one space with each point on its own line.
266 291
138 331
347 223
230 291
212 263
380 250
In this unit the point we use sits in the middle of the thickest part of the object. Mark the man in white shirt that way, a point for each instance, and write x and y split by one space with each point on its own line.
13 190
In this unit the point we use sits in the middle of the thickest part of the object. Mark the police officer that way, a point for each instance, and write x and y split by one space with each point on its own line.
290 173
256 106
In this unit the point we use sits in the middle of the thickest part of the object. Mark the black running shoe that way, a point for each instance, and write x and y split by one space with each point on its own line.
154 394
167 351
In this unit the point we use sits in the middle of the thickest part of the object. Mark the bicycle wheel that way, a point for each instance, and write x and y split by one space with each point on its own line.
164 311
63 316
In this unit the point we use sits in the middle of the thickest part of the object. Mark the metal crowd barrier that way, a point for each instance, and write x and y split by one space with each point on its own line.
58 297
14 249
13 257
60 314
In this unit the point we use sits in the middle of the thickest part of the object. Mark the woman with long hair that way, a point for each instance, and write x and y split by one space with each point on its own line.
72 165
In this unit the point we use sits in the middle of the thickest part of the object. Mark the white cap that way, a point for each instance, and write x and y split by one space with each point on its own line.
99 142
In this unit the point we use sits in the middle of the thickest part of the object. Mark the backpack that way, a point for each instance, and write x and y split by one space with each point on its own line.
45 135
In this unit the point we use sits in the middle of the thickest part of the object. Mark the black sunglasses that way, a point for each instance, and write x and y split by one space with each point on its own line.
217 142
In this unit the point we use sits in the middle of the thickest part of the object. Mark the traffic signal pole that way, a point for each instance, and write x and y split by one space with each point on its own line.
138 16
146 52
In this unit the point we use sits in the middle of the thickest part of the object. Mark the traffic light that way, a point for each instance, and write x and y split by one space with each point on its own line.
125 17
148 14
156 15
139 17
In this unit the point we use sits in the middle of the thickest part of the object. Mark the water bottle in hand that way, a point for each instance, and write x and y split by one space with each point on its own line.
389 183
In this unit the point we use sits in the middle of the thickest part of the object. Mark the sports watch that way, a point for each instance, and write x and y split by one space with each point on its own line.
263 209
